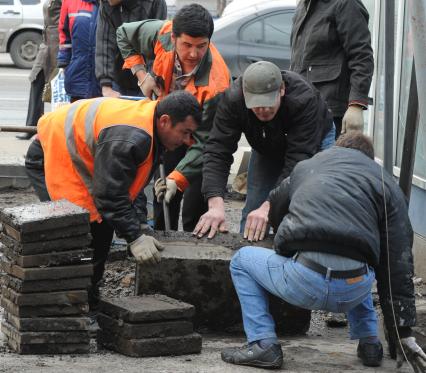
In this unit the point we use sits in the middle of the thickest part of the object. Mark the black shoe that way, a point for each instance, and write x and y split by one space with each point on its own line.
24 136
371 354
255 356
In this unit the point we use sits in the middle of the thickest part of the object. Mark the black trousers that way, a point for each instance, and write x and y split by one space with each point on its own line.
36 104
102 233
338 124
193 202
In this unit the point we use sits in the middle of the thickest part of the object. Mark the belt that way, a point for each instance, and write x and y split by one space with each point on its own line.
327 271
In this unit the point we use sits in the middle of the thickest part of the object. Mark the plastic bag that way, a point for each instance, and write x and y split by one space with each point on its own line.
58 95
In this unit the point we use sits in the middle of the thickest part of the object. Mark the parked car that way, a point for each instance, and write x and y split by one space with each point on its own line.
21 26
255 32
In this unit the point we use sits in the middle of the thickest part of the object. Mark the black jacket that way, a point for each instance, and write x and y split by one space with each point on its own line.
293 135
331 48
108 62
337 202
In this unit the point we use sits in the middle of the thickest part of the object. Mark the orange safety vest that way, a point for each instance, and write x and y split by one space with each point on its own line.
69 138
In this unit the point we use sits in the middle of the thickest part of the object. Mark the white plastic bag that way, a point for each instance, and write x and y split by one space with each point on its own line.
59 96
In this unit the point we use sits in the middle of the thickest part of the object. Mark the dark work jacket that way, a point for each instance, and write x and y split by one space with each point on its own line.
335 203
331 48
108 61
294 134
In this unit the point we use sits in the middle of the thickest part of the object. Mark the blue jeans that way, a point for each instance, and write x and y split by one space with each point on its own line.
256 271
263 173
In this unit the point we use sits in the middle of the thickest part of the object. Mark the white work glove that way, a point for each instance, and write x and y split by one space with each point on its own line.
353 120
414 353
146 249
148 86
166 190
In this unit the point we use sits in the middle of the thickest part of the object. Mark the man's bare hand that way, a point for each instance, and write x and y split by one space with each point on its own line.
213 220
109 92
257 223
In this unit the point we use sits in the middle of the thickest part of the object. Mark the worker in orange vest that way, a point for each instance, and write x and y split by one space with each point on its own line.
100 153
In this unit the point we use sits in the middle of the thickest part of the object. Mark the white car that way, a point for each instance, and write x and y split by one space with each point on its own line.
21 26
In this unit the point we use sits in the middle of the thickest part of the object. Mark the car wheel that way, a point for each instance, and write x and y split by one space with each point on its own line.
24 49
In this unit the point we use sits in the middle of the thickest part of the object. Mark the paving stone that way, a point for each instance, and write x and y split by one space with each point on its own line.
44 299
81 256
43 216
42 311
150 347
43 247
40 324
44 285
145 308
50 234
198 273
55 348
47 273
65 337
143 330
419 331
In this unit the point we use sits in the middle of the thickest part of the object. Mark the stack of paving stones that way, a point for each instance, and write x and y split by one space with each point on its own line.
147 325
47 269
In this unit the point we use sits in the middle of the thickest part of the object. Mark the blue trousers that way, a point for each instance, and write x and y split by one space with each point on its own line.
256 271
262 175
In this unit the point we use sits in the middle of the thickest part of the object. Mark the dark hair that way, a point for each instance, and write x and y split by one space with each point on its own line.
358 141
193 20
178 105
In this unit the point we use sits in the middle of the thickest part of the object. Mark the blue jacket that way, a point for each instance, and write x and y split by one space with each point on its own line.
77 40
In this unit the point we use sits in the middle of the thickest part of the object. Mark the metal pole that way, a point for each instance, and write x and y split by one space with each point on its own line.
410 136
388 88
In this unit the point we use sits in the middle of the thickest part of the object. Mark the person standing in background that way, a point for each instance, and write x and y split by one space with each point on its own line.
331 48
108 61
44 65
77 38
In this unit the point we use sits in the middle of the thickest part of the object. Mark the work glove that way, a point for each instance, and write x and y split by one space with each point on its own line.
146 249
166 190
353 120
413 353
149 86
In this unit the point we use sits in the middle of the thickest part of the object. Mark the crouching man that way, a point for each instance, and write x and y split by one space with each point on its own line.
341 223
100 153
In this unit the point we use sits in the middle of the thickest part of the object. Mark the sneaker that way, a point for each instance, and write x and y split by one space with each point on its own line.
255 356
336 320
371 354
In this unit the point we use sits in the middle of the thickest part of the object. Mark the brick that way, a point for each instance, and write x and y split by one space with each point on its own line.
42 311
42 216
41 324
145 308
50 234
43 247
80 256
56 348
48 273
150 347
44 299
44 337
44 285
143 330
197 272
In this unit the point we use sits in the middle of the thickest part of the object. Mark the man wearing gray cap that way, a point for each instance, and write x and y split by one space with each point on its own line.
285 121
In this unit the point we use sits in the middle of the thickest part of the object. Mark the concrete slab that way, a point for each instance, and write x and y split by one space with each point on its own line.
144 330
146 308
49 234
43 216
44 285
73 257
43 324
42 311
58 298
48 348
44 337
43 247
197 272
182 345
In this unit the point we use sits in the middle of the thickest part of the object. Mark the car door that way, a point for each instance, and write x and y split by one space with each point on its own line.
10 18
266 38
